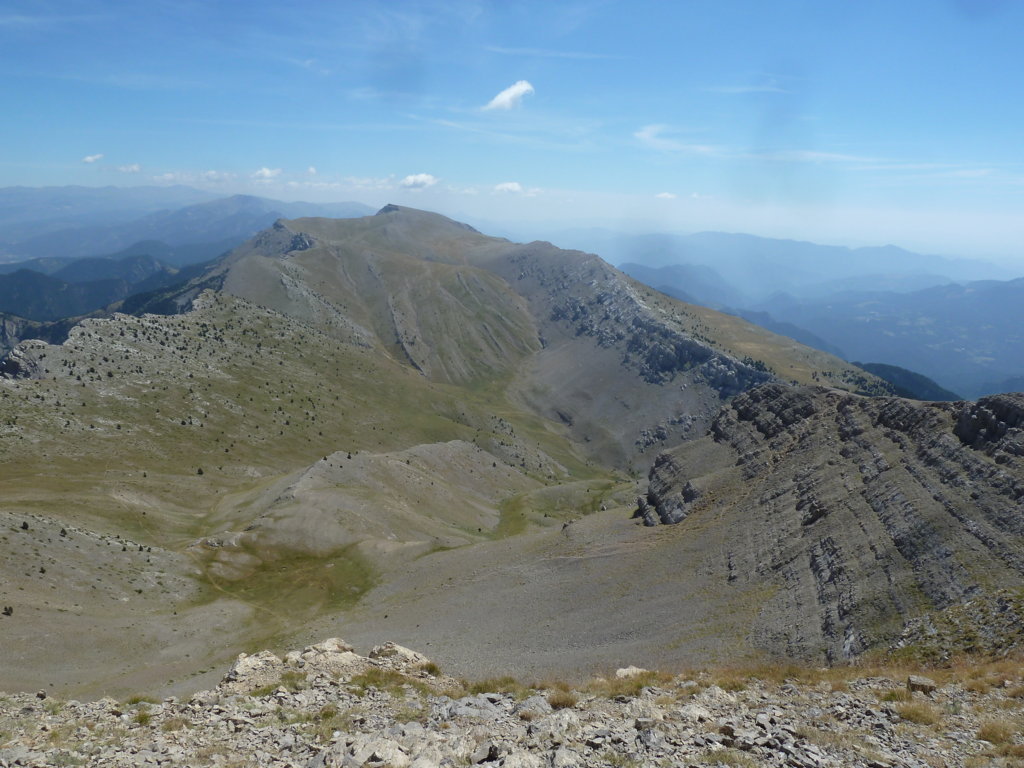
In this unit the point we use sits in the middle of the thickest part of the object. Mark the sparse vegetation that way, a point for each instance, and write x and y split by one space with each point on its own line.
918 712
998 732
559 699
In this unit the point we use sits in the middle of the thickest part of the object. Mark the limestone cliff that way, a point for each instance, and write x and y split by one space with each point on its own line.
855 513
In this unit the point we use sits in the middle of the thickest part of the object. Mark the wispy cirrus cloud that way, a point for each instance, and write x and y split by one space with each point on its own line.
26 20
654 137
195 177
812 156
741 89
93 158
129 168
549 54
666 196
511 97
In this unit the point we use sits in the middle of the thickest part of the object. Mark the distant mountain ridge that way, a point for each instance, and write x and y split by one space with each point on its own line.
757 267
77 269
232 218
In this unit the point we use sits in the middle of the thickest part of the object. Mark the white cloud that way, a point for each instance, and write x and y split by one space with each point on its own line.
130 168
511 96
311 170
665 196
418 181
196 177
92 158
266 174
652 136
508 186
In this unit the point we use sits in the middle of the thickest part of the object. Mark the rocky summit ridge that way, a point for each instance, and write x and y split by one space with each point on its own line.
329 707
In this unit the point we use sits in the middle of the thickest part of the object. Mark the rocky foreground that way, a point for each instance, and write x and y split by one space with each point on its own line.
326 706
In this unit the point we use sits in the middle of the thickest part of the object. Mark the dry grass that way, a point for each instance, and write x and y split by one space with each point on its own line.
918 712
506 684
997 732
562 699
897 694
388 680
431 669
730 757
175 724
612 686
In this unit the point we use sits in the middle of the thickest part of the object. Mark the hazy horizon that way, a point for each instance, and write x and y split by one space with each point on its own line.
866 124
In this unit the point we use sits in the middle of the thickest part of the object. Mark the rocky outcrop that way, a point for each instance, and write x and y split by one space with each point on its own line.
25 361
858 514
14 330
376 714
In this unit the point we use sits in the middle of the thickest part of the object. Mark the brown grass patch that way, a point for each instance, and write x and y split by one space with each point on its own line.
918 712
562 699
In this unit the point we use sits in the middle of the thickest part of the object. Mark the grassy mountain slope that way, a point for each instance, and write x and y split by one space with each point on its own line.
360 400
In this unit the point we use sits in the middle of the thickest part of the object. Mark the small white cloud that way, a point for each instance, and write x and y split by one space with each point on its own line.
92 158
508 186
418 181
130 168
665 196
311 170
511 96
217 175
266 174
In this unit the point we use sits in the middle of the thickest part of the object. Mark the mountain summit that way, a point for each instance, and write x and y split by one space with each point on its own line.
399 420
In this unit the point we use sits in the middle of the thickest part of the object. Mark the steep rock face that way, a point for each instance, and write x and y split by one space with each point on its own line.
13 330
854 513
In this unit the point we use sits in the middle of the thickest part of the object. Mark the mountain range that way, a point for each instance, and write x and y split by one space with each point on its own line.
72 222
883 305
63 269
399 425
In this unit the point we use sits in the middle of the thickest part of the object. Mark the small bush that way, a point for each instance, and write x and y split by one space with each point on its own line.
143 717
562 699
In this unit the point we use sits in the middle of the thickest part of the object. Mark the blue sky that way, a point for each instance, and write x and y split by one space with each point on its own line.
842 122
